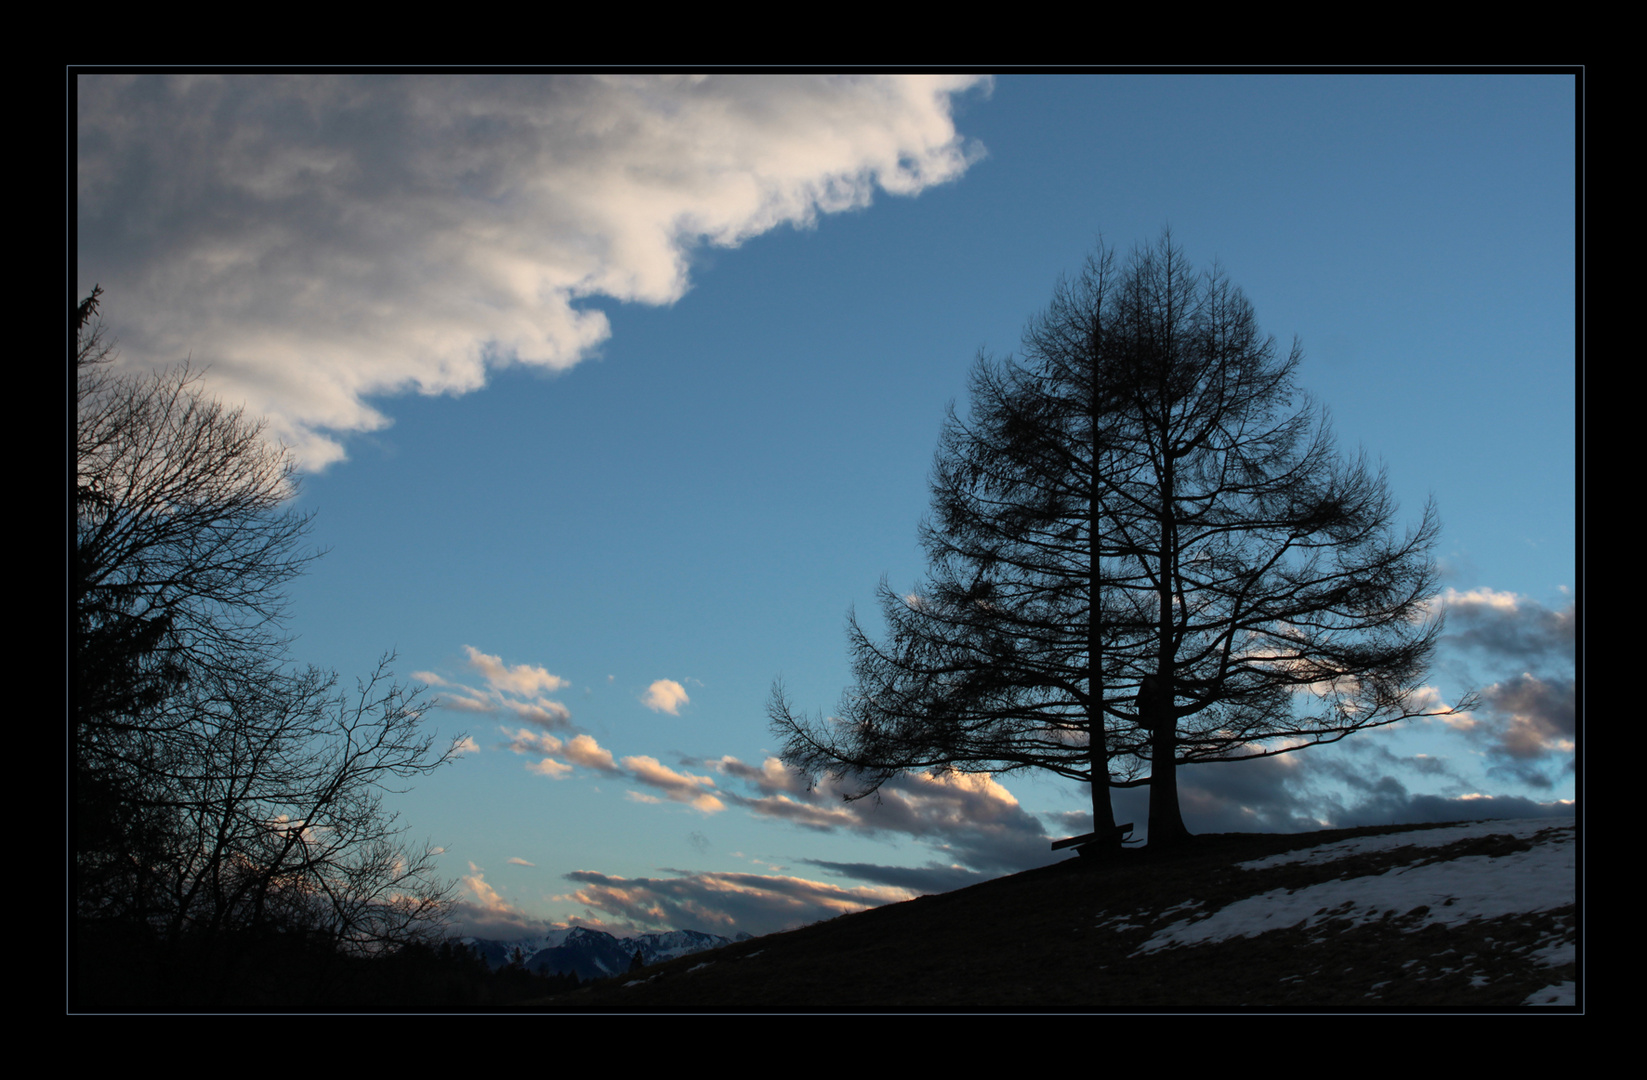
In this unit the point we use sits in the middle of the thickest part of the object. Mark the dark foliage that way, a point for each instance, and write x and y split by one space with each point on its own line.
226 802
122 969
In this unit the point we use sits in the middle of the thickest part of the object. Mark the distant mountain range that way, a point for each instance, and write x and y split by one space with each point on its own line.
595 954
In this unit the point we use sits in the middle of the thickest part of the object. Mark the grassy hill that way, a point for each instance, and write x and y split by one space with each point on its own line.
1480 917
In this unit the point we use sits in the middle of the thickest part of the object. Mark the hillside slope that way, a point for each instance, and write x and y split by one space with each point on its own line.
1476 915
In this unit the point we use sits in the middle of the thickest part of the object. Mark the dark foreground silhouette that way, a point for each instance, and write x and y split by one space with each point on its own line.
1071 935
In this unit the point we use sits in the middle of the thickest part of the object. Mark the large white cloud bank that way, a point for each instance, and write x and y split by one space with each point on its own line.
320 239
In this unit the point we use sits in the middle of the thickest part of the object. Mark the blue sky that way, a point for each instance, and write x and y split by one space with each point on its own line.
615 394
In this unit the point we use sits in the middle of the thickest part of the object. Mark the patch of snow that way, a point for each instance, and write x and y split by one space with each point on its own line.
1560 950
1327 853
1457 891
1560 994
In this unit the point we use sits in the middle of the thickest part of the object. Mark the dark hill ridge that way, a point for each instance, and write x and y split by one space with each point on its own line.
1474 916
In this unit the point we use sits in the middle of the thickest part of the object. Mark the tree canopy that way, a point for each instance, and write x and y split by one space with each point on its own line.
1145 551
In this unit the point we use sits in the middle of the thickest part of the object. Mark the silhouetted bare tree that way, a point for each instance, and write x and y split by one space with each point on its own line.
1287 609
276 814
217 788
1146 552
182 548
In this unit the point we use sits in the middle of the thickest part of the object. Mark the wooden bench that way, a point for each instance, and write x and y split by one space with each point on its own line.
1087 843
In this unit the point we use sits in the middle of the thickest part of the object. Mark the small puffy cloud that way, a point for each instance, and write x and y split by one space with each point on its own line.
525 741
465 699
1428 699
517 861
510 689
772 777
679 787
324 240
667 696
579 750
584 750
725 903
1465 722
1482 599
465 745
521 680
550 715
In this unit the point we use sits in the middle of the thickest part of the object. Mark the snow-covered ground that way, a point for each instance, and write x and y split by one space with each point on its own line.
1455 891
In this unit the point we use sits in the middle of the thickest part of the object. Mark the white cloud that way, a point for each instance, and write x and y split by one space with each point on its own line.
522 680
580 750
679 787
773 776
468 700
1492 599
507 686
585 751
317 240
666 695
542 712
523 741
484 895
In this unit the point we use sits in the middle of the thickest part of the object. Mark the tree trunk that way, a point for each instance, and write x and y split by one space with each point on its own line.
1166 822
1108 840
